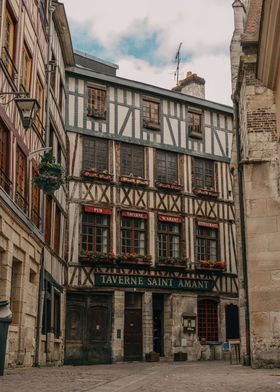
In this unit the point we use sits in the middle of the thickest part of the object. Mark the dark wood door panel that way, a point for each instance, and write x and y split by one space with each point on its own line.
133 337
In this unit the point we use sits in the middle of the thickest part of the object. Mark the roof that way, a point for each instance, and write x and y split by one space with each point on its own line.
97 59
149 89
252 27
62 28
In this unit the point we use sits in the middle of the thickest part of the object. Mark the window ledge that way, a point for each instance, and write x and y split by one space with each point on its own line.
169 186
134 180
97 116
97 175
196 135
151 125
205 192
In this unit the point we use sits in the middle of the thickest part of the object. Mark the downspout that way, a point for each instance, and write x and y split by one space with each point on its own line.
41 296
247 360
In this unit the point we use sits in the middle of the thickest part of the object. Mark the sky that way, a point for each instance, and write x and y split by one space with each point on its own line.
143 36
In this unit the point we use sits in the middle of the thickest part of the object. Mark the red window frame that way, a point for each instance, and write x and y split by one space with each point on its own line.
133 235
207 317
166 235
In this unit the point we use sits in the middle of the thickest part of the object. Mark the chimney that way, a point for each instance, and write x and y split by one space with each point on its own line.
192 85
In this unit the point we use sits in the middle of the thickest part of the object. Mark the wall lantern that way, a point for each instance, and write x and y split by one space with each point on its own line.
28 108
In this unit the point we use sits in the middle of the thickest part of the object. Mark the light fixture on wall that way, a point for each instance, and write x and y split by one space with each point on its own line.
28 108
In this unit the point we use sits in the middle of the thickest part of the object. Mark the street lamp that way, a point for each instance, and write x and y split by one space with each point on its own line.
28 108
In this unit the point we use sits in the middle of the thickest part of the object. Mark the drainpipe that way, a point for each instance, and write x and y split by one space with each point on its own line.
242 233
41 295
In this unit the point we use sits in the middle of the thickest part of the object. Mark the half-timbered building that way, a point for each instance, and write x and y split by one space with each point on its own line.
31 248
151 233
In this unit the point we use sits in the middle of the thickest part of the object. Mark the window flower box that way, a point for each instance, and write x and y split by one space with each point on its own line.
205 192
50 174
151 125
98 257
177 262
134 258
174 186
134 180
210 265
104 176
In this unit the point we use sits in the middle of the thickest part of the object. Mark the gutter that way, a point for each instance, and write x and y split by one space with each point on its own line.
247 360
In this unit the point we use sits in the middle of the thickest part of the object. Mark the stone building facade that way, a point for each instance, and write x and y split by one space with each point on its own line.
151 234
255 161
25 249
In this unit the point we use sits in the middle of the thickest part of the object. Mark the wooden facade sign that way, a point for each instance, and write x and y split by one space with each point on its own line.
97 210
210 225
132 214
174 219
152 282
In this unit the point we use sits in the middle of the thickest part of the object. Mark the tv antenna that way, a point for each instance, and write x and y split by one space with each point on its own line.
178 60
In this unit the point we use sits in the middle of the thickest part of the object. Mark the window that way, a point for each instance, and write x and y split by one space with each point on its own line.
57 224
21 180
95 154
26 70
53 74
9 38
132 160
207 317
151 111
95 232
15 298
206 243
61 96
168 239
167 170
40 99
48 220
35 202
203 174
96 103
56 314
5 182
194 124
133 235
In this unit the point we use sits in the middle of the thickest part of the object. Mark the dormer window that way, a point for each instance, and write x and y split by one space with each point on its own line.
195 124
96 103
151 114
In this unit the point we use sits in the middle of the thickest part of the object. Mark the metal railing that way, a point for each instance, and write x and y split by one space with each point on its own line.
8 63
21 202
5 182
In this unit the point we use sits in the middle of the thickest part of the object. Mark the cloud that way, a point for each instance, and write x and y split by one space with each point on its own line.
145 36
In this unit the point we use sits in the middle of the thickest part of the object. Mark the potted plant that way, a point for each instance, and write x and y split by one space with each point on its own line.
50 174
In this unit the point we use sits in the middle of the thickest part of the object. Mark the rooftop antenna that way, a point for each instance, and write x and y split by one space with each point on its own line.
177 59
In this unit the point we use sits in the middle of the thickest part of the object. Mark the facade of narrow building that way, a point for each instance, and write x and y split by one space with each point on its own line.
29 244
151 231
255 161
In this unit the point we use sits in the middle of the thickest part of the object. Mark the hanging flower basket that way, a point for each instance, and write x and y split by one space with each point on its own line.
50 174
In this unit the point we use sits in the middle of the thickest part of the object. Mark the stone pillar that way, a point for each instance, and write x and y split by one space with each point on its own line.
168 324
147 322
118 326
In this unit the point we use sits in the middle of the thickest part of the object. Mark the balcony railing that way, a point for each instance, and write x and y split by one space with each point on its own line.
35 217
8 63
5 182
21 202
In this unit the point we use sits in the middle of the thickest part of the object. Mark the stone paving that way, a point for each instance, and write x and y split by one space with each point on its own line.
214 376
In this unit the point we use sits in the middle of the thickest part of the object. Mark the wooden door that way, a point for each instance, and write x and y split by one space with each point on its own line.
98 336
88 329
133 350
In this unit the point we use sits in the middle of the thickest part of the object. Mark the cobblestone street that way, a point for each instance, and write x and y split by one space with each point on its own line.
145 377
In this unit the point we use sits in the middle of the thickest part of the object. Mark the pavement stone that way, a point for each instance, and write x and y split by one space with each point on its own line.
207 376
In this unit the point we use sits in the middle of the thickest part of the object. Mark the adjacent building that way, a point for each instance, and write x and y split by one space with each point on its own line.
32 248
255 161
151 230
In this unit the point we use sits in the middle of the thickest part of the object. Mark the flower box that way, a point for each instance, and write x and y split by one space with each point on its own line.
210 265
96 175
98 257
174 186
134 259
134 180
205 192
151 125
50 174
177 262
